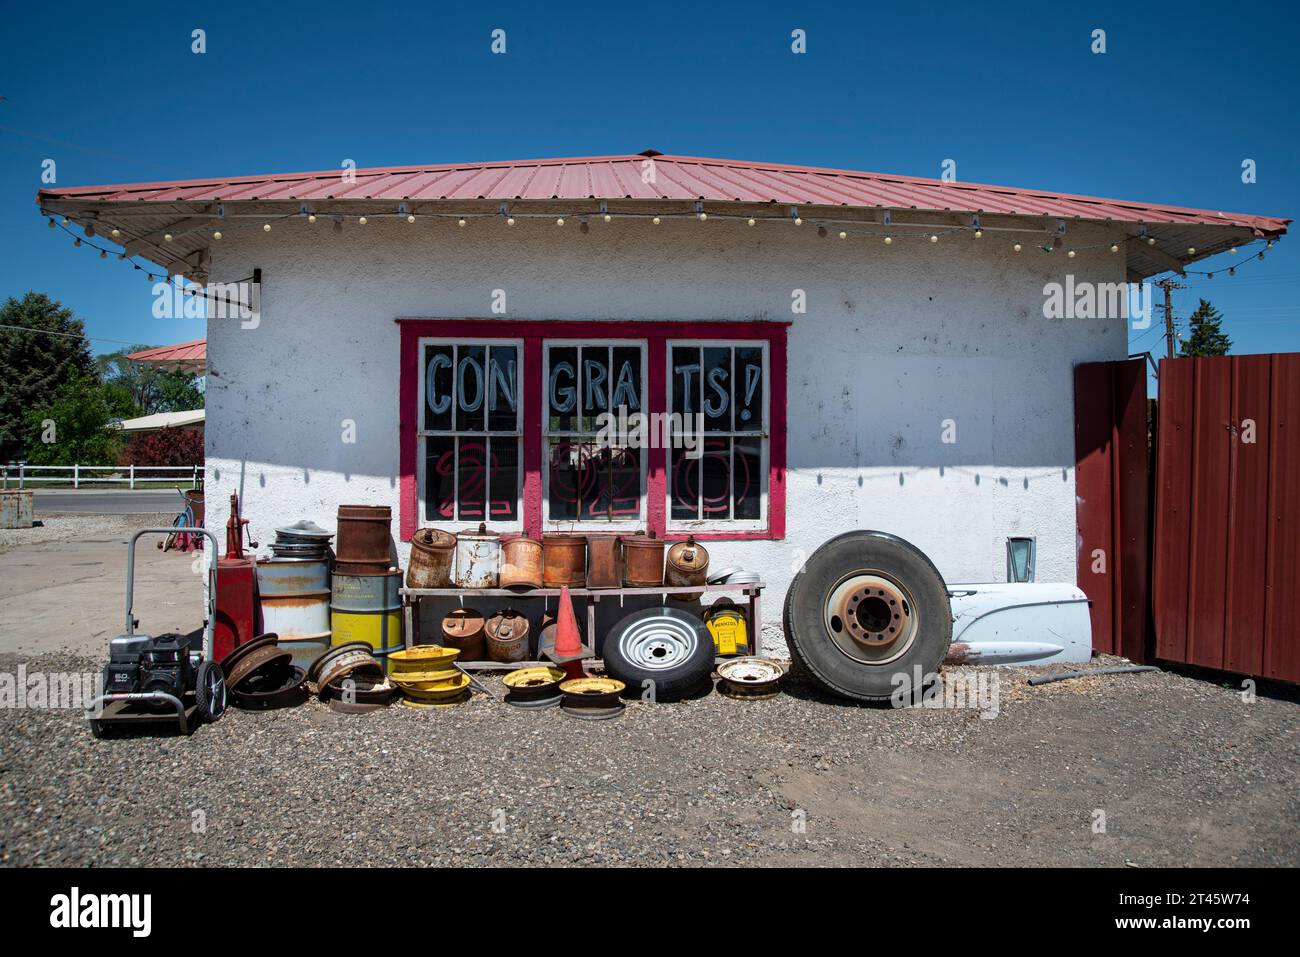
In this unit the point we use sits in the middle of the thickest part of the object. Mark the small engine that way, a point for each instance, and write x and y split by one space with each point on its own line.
141 663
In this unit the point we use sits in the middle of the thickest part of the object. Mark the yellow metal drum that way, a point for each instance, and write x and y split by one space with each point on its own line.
368 608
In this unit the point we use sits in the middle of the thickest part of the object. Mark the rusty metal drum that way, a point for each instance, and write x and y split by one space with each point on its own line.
643 561
521 563
433 556
363 539
295 601
687 564
368 608
564 561
478 558
16 509
507 636
604 561
463 629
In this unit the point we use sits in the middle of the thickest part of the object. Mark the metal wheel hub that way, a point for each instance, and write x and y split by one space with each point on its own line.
659 643
870 617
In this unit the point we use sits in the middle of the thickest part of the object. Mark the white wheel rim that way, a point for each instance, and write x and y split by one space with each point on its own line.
659 643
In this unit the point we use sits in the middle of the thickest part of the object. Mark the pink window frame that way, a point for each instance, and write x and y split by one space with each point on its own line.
656 335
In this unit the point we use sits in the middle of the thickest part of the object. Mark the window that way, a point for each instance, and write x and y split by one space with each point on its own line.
717 473
502 422
590 481
470 457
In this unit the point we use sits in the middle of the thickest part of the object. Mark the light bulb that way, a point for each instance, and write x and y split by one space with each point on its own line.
751 221
311 218
460 222
655 220
1233 251
266 227
115 233
821 231
798 221
979 234
410 218
1070 254
1191 250
703 216
934 237
51 223
77 243
217 234
559 221
103 254
1017 247
1151 240
843 234
607 218
167 237
584 228
510 220
1114 247
889 240
362 220
65 220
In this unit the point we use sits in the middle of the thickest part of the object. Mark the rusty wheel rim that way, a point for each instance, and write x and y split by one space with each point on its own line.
871 617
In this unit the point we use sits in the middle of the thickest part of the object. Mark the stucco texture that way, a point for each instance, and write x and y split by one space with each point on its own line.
895 341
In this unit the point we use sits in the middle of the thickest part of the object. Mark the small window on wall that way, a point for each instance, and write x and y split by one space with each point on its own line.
718 462
592 477
470 461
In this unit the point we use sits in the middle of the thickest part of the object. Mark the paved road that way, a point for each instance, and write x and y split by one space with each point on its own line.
106 502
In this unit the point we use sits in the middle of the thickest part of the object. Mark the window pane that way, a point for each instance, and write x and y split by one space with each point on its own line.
625 379
685 379
684 487
571 478
471 496
471 388
503 388
503 480
562 389
717 389
617 489
716 469
439 478
747 480
438 396
748 389
595 385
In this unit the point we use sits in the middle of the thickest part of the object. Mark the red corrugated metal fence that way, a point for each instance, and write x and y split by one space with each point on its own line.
1111 489
1226 588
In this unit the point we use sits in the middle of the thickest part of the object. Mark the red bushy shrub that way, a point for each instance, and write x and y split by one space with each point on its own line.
165 447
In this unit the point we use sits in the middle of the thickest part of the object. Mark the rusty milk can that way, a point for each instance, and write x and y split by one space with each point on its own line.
564 561
643 561
604 561
688 564
433 554
478 558
521 563
507 636
463 629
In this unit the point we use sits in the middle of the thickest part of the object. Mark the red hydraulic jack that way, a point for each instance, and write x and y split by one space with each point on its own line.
236 616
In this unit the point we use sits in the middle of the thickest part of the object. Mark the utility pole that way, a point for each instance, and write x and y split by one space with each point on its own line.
1168 285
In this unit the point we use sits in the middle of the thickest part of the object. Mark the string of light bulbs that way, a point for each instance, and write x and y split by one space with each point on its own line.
885 231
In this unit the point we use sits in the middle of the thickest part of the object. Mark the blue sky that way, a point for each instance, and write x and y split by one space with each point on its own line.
1013 93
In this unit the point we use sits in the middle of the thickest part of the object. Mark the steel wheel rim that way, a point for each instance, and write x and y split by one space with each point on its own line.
216 692
871 617
659 643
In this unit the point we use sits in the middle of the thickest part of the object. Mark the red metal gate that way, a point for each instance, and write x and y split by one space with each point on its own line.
1111 494
1226 589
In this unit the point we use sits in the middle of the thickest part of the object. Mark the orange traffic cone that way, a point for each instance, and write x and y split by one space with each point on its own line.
568 644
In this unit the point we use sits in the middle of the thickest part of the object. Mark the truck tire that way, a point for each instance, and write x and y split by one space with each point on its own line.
865 612
665 645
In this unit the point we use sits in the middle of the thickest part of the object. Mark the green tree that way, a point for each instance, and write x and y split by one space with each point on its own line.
141 388
41 344
1207 338
73 427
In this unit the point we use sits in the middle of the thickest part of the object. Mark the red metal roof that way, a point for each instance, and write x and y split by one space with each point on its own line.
185 356
675 178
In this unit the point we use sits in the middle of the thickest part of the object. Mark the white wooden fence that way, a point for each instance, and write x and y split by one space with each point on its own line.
131 476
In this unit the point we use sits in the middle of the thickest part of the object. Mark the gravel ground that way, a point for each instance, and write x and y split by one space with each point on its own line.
1185 771
59 527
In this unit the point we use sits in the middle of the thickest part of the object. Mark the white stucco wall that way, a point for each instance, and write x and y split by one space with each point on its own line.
895 340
